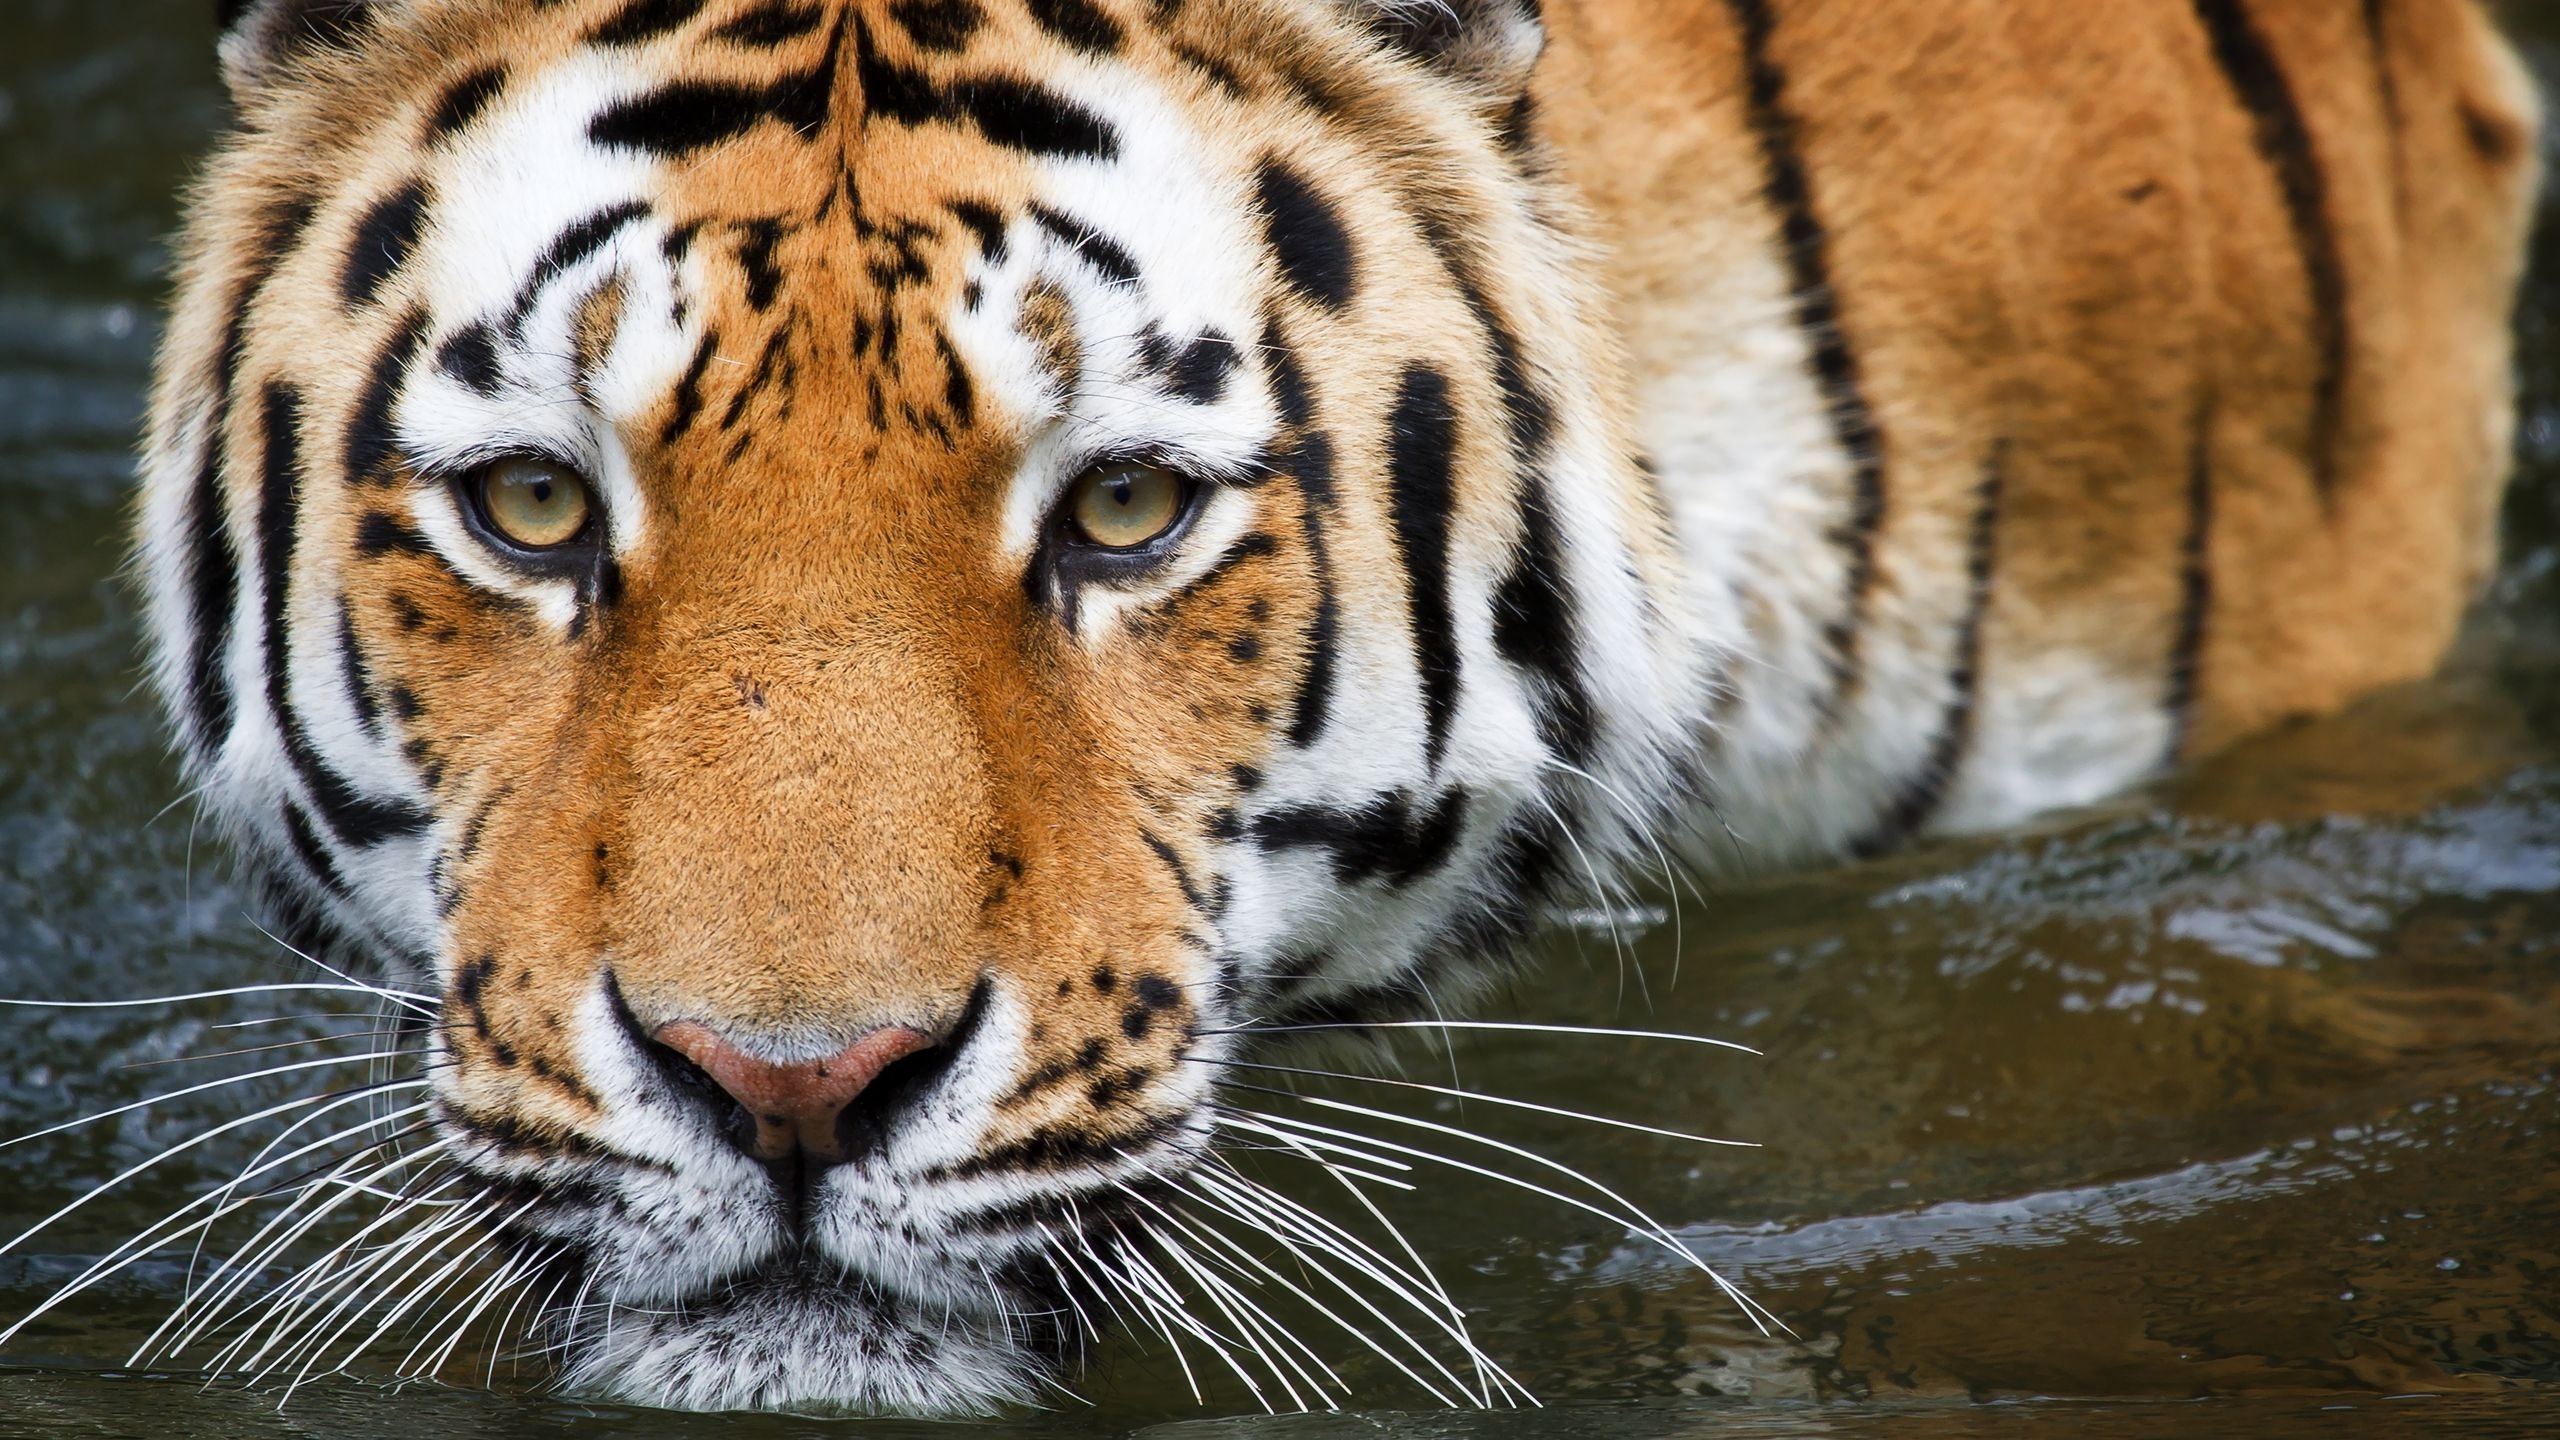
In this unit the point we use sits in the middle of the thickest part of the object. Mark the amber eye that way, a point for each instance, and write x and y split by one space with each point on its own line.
1123 505
532 502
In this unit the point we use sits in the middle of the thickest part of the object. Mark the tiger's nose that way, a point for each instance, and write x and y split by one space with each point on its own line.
801 1107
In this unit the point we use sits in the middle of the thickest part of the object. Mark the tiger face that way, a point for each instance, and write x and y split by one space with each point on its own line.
863 591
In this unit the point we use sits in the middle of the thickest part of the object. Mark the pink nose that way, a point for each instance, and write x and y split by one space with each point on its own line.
795 1107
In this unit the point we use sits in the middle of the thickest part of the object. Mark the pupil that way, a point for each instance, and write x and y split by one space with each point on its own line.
1122 492
541 492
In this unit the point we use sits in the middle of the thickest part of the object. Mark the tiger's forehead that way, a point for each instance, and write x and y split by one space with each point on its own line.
935 216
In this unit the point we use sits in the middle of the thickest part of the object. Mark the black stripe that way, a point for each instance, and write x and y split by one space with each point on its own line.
1099 250
2284 142
354 819
1198 371
1008 112
214 576
644 20
1431 32
306 848
756 241
959 394
1306 236
214 562
2195 587
1216 71
1384 839
938 24
1518 132
1806 247
464 100
1422 442
1533 608
1533 627
2394 119
985 223
894 91
1307 458
761 374
771 24
1924 792
1025 117
1290 396
359 686
1310 463
680 119
1181 873
582 239
688 401
471 357
373 445
1252 545
1079 23
380 534
677 120
384 238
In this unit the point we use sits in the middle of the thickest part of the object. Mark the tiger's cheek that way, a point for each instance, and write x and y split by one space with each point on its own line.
528 880
1202 690
484 700
1101 945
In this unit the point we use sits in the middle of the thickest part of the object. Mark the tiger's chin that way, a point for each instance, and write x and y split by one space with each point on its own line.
793 1339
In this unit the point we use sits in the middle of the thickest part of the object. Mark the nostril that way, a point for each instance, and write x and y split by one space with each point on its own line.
862 1127
729 1114
681 1075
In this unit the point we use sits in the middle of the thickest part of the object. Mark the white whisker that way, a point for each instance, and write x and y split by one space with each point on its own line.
1518 1026
1298 1229
248 1260
1630 1215
423 1003
1348 1328
197 1089
1502 1100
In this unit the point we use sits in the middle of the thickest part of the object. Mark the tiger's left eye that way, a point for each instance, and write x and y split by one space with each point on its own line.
532 502
1123 505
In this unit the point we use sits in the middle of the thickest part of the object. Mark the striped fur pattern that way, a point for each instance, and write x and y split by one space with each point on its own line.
1814 424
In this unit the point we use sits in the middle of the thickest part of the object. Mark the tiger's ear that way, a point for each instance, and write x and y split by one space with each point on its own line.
1490 44
260 38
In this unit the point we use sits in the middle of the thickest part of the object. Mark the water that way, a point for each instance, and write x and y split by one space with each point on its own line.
2229 1110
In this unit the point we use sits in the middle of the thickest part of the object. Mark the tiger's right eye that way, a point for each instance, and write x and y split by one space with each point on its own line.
532 503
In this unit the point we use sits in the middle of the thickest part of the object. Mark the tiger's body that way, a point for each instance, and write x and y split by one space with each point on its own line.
2052 391
845 878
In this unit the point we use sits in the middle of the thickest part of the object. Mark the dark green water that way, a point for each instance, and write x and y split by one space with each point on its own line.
2234 1110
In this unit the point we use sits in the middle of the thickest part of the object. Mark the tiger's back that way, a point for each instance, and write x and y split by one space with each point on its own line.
2053 391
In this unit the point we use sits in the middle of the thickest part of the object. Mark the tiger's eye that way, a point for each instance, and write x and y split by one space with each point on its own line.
533 502
1123 506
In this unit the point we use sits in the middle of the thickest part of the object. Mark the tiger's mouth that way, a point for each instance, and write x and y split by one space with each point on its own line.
840 1289
803 1334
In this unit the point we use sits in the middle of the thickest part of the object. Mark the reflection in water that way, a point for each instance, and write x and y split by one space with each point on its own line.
2242 1090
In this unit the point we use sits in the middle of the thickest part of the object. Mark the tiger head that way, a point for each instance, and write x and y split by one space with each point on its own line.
861 590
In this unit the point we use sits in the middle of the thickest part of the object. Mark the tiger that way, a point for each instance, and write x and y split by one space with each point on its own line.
859 603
